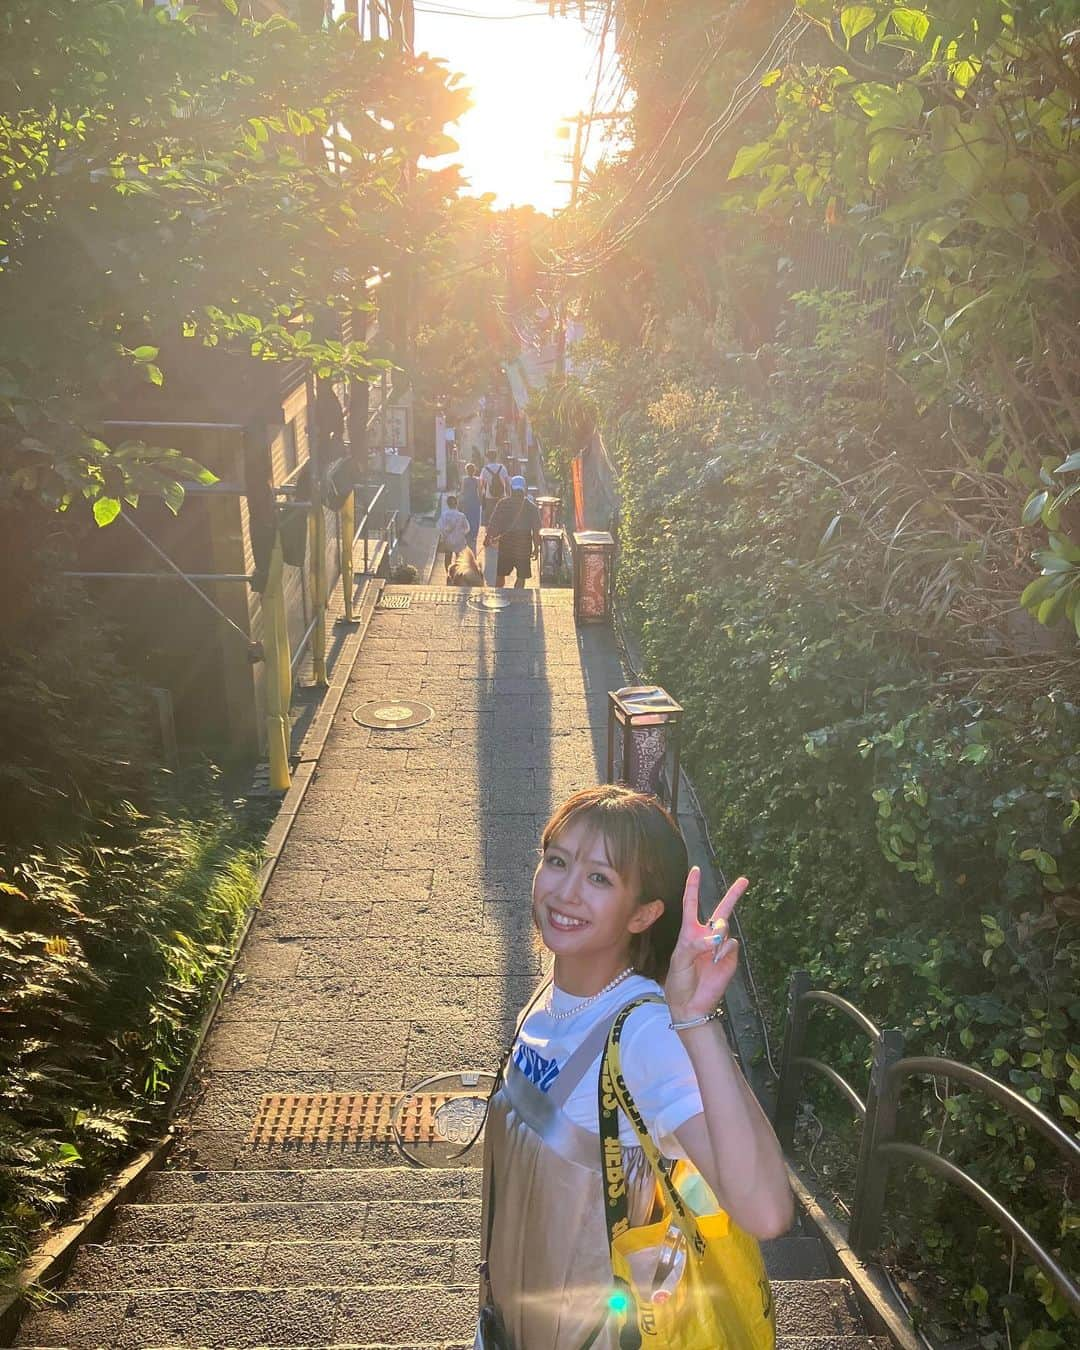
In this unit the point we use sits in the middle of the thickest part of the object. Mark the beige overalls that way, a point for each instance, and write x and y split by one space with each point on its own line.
549 1261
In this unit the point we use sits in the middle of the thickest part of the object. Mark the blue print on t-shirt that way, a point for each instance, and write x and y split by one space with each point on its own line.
535 1067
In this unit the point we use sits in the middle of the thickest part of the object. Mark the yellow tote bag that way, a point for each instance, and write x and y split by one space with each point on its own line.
720 1300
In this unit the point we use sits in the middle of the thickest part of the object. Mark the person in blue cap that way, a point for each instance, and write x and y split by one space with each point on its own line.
514 528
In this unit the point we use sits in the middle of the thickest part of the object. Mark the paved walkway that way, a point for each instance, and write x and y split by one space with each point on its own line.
394 943
395 939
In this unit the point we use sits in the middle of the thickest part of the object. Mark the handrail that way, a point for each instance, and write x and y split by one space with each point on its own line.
848 1009
800 998
826 1071
1000 1092
943 1167
879 1146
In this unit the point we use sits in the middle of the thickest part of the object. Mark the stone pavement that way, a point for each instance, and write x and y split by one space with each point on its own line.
394 942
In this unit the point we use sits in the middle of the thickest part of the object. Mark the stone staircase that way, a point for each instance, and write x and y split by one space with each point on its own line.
366 1258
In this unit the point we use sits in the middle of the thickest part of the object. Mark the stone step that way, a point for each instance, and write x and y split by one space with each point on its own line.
224 1265
330 1315
261 1187
311 1221
795 1258
782 1343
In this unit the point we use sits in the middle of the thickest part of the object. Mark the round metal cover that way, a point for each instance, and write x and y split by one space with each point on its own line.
456 1122
393 714
489 601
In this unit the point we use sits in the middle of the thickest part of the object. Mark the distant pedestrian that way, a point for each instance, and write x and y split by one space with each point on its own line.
515 528
453 530
469 502
494 483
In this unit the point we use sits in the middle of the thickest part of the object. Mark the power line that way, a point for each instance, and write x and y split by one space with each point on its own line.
741 98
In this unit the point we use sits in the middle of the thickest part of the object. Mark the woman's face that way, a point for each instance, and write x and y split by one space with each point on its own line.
581 905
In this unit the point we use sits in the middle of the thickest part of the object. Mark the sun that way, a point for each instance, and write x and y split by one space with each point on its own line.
527 74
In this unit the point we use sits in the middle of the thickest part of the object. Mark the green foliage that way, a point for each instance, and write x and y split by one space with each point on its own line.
943 141
121 894
910 834
164 171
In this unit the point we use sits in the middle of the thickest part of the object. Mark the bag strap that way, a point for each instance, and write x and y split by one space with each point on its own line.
613 1094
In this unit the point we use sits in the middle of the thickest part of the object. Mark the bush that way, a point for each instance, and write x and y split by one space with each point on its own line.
906 813
121 894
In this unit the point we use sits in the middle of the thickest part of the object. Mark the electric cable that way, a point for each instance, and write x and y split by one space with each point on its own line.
742 97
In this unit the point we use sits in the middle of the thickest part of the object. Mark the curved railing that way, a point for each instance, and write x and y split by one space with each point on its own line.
879 1111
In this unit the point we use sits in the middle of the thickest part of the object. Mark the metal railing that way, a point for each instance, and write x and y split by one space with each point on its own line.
880 1148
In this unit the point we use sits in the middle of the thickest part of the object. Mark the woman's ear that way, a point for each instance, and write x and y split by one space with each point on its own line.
645 916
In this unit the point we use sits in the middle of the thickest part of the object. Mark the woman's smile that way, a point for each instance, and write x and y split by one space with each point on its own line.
565 921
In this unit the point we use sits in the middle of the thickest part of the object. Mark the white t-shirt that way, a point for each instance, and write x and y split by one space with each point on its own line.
655 1064
453 529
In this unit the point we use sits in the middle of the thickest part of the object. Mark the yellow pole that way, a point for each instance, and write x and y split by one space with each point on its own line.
318 587
347 526
276 637
284 656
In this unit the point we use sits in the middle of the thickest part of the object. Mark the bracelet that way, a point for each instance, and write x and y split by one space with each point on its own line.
714 1016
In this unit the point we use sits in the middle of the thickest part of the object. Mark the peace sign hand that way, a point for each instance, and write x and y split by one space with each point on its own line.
696 983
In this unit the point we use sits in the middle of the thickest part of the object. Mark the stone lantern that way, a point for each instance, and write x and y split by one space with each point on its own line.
549 511
643 741
594 576
551 556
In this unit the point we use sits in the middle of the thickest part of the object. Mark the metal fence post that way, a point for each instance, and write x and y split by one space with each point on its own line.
787 1090
346 526
879 1127
318 583
278 677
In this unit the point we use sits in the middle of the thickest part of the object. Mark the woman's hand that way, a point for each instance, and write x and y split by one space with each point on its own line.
695 983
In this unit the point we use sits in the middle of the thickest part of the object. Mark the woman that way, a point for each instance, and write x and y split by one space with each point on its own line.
469 502
614 903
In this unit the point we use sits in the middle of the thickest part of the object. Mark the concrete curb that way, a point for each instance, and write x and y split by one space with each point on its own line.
53 1258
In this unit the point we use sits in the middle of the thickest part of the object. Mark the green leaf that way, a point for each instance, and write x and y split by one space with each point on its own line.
106 509
912 23
144 353
975 754
887 106
1034 507
1069 1105
1044 861
749 158
771 78
1071 464
855 18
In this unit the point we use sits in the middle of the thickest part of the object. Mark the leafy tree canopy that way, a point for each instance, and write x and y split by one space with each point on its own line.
201 174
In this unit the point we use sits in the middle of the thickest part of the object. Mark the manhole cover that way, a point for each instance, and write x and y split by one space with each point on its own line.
393 601
489 601
432 1127
455 1104
392 713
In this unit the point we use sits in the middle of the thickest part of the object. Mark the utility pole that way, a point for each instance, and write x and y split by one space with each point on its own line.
581 121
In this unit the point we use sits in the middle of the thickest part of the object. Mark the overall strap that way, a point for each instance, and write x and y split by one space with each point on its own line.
587 1053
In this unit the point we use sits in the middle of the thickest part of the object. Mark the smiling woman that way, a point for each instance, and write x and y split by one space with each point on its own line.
527 73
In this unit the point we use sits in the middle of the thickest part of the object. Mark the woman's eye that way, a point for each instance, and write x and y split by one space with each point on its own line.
600 879
553 860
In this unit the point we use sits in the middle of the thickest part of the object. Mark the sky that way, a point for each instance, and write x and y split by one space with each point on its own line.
525 73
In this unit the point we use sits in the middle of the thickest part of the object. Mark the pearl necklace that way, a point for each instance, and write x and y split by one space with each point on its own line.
594 998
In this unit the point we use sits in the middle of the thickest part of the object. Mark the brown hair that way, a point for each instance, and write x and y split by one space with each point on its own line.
644 845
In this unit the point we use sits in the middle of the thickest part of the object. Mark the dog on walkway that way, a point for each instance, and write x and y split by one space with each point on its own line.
465 570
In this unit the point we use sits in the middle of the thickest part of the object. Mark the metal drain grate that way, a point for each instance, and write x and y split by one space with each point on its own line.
389 714
393 601
361 1117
